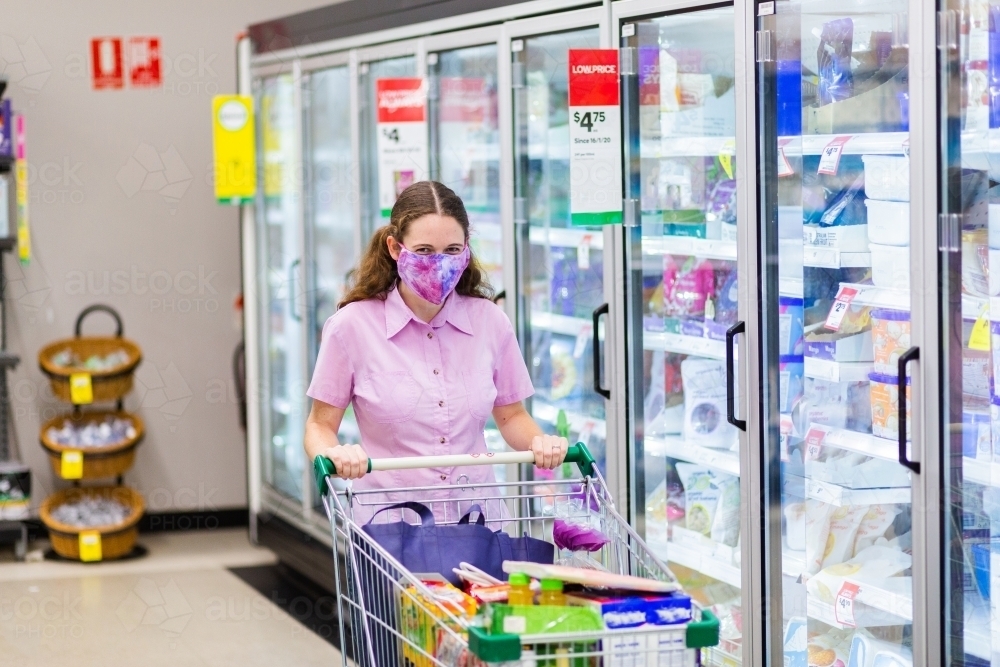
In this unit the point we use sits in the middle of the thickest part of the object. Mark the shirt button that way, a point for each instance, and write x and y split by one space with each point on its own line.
442 440
437 372
444 477
440 404
430 335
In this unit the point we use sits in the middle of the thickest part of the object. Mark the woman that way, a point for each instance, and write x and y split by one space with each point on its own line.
425 357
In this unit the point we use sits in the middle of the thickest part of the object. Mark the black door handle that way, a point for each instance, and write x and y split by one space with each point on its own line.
731 333
606 393
905 358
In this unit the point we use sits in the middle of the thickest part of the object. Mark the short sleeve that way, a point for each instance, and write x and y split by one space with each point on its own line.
510 375
333 377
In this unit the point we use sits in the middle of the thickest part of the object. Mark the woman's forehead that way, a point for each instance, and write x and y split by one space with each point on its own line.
434 229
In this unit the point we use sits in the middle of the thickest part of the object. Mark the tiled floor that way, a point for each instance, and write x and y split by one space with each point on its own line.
179 605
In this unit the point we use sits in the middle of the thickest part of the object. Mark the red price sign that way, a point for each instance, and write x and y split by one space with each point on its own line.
839 309
784 166
843 608
814 443
829 159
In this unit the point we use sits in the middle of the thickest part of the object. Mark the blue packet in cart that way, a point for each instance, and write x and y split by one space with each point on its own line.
625 609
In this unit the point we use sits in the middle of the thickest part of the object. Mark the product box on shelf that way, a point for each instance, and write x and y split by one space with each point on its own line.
890 338
842 348
791 317
890 266
879 104
888 222
845 238
887 177
885 406
791 371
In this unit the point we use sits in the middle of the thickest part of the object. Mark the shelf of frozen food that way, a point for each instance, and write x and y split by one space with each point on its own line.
837 371
985 473
705 562
681 344
561 324
689 245
577 422
669 147
840 496
831 258
882 143
791 286
862 443
865 616
566 237
897 299
674 446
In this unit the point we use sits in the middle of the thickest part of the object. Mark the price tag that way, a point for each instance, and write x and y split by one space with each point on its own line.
843 608
979 337
583 252
726 154
71 464
839 309
401 137
90 546
906 147
81 390
814 443
784 166
829 159
583 337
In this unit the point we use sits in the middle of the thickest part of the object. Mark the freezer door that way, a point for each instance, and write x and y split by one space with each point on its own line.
281 287
839 369
559 267
679 107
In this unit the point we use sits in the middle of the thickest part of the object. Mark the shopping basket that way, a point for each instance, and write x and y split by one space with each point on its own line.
388 616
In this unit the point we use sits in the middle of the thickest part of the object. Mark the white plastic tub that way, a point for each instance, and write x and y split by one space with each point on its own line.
890 266
888 222
887 177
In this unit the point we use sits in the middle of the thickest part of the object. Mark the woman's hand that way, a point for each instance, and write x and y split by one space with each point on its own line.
350 461
549 450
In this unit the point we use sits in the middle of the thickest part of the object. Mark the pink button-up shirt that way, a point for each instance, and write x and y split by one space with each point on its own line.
420 388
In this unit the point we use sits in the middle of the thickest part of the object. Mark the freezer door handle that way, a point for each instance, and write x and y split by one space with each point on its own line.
731 333
600 310
292 306
905 358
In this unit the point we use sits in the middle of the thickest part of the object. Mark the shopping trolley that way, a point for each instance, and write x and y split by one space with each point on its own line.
388 616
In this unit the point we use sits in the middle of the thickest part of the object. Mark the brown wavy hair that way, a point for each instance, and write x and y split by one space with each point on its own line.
376 274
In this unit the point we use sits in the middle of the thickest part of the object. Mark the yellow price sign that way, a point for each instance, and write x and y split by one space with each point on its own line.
81 389
71 464
979 337
90 546
726 154
234 148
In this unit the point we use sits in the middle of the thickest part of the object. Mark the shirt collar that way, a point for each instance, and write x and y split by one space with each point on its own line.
398 314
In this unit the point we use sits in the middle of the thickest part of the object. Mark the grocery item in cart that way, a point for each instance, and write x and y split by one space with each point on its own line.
591 578
890 338
885 405
421 611
705 404
624 609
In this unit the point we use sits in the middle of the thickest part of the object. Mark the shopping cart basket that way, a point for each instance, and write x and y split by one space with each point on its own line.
389 617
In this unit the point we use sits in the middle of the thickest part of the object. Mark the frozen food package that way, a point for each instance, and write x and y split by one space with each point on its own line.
833 59
873 564
829 649
817 531
791 316
864 648
847 207
701 497
844 522
975 260
884 392
873 526
726 524
890 338
686 287
705 404
726 296
795 526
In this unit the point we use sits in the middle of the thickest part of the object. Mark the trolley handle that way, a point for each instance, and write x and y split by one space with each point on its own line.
579 454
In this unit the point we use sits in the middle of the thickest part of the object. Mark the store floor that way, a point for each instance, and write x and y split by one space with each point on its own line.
179 605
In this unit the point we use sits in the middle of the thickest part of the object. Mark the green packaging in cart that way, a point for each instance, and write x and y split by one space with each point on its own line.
543 619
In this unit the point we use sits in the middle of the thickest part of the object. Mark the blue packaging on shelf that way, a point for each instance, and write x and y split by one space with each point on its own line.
981 567
789 98
791 316
977 434
6 129
833 57
791 373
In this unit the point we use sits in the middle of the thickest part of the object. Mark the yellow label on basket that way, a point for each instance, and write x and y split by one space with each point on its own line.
81 391
90 546
72 464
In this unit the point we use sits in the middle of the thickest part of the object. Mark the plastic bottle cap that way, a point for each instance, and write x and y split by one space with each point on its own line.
552 585
519 579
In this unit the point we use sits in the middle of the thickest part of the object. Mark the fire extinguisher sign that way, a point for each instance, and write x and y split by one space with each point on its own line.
595 137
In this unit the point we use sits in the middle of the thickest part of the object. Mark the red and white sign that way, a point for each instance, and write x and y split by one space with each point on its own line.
402 137
829 159
107 63
595 137
843 608
784 166
814 443
144 69
464 100
845 295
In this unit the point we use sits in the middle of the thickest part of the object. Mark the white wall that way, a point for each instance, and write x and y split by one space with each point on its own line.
106 229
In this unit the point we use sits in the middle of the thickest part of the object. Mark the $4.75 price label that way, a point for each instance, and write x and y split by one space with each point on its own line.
595 137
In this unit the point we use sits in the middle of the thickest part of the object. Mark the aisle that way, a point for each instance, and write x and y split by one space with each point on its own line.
177 606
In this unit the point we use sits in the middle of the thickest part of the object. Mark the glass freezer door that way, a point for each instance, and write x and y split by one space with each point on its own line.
970 329
833 109
282 304
680 115
560 268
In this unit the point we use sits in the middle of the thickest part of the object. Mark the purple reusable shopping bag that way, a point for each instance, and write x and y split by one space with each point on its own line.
428 547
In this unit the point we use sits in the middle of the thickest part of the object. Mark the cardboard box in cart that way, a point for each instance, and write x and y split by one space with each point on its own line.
419 616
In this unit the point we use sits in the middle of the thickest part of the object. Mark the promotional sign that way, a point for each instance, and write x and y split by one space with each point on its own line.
107 63
234 149
595 137
144 62
402 137
467 127
21 178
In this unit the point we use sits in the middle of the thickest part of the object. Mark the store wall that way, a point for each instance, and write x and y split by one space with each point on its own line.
122 213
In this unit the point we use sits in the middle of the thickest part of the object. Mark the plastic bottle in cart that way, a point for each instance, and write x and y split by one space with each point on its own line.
520 590
552 593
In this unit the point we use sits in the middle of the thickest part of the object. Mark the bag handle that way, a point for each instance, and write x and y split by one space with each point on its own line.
426 516
481 521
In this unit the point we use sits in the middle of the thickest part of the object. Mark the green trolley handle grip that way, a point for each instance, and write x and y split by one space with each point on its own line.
579 454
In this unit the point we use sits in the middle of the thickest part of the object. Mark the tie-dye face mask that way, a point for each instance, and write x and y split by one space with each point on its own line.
432 277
